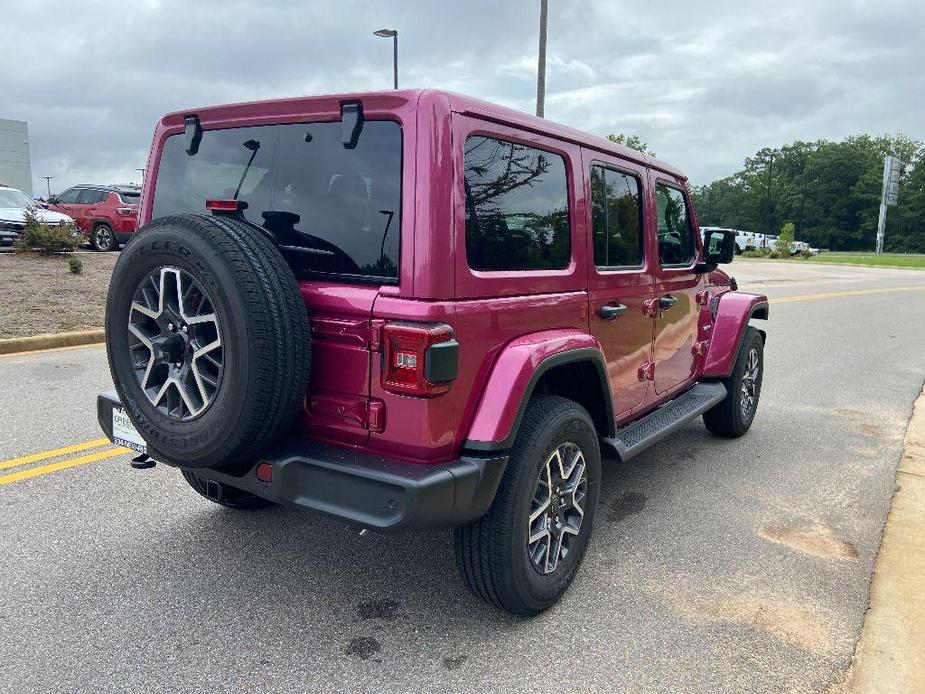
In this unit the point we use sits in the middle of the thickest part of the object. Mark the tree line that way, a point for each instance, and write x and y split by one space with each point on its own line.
829 190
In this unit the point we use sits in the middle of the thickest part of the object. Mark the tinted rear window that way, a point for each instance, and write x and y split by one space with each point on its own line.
517 214
130 198
342 207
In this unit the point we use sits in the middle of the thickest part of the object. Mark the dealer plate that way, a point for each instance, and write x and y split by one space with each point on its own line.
124 432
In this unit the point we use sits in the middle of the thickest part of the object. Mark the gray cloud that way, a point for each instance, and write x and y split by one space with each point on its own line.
705 83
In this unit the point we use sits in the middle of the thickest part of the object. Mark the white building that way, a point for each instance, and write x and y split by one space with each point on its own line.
15 161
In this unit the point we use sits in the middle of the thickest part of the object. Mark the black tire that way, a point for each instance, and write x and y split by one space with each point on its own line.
266 354
727 419
103 239
492 553
229 497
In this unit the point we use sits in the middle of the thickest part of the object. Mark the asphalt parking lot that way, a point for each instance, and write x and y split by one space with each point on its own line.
716 565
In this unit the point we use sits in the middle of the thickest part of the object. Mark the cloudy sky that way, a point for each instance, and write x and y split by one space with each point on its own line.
704 83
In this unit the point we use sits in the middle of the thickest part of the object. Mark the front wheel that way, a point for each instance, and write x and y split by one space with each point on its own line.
523 554
734 415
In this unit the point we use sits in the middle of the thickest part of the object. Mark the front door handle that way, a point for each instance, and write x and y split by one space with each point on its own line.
667 301
611 311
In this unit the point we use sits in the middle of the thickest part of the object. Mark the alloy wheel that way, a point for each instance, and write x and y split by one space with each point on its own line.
103 238
557 507
750 383
175 343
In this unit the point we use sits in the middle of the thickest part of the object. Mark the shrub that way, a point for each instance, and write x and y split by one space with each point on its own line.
76 266
46 238
785 240
806 253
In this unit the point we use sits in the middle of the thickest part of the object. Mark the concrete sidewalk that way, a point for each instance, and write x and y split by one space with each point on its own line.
890 656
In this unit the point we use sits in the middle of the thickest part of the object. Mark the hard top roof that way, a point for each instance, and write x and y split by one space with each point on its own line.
458 103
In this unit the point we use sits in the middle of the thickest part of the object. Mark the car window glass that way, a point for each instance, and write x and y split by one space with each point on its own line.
341 207
69 197
89 196
675 233
517 214
617 218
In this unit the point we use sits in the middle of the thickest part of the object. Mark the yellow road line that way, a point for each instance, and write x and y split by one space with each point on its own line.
852 292
62 465
35 457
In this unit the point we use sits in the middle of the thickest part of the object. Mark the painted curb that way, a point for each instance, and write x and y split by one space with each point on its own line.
51 341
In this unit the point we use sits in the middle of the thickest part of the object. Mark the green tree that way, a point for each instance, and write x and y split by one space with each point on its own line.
785 239
633 142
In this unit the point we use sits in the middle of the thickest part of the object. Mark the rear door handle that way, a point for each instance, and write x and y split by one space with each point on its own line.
667 301
610 311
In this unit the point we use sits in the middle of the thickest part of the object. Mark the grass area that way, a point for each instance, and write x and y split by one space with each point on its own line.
39 294
914 261
908 260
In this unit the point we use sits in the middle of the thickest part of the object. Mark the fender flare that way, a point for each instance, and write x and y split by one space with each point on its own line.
514 377
731 312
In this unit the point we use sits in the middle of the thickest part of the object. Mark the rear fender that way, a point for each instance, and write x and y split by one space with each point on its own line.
732 312
518 369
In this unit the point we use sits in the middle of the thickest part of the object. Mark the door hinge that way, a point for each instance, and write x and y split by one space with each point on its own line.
650 308
375 334
647 371
700 348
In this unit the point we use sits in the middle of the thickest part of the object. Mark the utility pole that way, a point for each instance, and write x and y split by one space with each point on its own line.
48 184
541 67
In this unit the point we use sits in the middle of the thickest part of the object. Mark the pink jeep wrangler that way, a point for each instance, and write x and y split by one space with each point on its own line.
414 309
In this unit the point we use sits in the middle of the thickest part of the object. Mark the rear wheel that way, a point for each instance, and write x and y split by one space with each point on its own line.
734 415
103 239
523 554
223 495
208 340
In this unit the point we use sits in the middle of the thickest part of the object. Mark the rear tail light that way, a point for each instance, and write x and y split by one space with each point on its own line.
420 359
226 205
128 211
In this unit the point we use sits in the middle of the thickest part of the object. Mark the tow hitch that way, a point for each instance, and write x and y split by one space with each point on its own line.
142 462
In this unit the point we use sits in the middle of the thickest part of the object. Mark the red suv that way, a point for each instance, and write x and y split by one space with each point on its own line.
107 215
413 310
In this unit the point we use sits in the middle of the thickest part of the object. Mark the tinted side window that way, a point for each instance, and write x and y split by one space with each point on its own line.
69 197
517 215
90 197
675 234
617 218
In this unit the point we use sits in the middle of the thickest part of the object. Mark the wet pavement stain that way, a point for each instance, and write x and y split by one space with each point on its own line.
363 647
820 541
454 663
627 505
379 609
782 619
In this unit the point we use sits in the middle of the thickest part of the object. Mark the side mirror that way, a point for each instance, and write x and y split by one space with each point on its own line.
52 200
718 249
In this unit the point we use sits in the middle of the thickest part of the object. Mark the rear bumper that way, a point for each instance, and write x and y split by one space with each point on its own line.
361 488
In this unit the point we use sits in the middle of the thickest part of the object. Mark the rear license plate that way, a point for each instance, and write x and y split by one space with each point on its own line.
124 432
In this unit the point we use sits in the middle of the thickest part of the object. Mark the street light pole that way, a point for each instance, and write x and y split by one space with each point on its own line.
541 62
48 184
393 34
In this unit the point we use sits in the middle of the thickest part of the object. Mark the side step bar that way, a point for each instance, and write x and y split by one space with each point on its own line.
655 426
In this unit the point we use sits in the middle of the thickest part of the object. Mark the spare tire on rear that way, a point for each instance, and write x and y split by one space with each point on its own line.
208 340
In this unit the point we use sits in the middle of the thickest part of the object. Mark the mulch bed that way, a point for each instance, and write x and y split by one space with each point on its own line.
39 294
